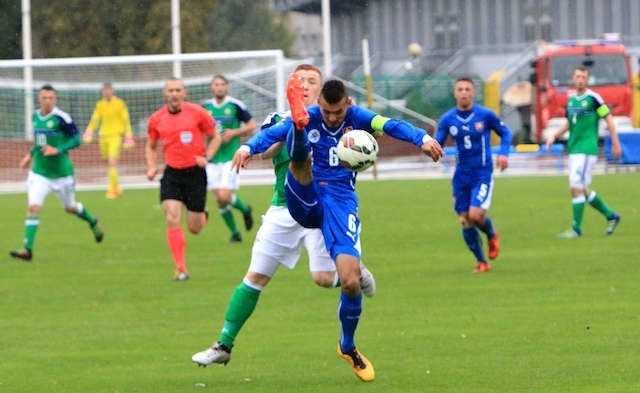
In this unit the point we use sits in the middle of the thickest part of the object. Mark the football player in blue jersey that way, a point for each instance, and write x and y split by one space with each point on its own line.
279 241
470 126
320 191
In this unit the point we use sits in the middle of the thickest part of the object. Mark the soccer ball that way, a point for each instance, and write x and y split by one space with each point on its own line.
357 150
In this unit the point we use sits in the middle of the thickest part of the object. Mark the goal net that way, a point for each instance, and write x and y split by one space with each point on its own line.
256 77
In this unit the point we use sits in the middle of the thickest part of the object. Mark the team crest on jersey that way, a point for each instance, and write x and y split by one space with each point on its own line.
50 124
186 137
479 126
314 136
453 130
227 111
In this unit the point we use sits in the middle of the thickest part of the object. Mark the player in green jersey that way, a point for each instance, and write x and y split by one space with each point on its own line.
233 121
51 169
584 110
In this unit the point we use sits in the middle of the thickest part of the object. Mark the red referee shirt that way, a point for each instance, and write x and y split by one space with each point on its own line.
182 134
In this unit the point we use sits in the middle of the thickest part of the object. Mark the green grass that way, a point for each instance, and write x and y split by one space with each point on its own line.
554 315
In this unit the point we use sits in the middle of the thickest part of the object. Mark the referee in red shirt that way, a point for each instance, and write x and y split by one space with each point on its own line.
183 128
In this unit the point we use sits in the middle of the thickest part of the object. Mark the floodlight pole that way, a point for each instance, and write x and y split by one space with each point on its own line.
326 37
366 67
175 37
28 72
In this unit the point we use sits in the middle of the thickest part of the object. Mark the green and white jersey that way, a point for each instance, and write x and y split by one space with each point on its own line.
280 161
230 114
58 130
584 112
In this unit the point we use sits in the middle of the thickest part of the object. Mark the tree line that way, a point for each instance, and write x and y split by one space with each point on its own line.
73 28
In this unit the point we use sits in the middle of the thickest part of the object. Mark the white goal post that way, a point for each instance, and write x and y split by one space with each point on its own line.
258 72
256 77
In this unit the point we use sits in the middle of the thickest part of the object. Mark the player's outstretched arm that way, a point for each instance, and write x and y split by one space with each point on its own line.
433 149
241 158
263 140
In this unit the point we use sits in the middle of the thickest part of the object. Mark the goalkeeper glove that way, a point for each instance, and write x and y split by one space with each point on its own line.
128 142
87 137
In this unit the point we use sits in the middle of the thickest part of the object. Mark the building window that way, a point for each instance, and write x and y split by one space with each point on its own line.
453 31
545 27
439 34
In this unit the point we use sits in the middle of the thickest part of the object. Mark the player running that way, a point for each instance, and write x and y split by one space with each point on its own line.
52 171
470 126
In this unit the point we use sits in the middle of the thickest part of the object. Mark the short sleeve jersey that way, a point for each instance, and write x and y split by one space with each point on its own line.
183 134
54 129
584 113
230 114
471 132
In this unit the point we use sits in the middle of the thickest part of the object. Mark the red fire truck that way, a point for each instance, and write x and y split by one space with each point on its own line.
551 73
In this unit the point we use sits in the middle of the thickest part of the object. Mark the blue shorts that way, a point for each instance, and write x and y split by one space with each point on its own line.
334 210
472 190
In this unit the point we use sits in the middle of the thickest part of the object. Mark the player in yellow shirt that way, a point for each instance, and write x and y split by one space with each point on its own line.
112 115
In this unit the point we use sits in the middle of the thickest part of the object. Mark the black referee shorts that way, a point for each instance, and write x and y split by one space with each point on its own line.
187 185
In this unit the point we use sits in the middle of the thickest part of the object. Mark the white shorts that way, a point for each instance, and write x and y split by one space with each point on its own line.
38 187
581 170
279 241
220 176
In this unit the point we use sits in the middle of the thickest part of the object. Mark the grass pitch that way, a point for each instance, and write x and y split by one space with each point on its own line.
554 315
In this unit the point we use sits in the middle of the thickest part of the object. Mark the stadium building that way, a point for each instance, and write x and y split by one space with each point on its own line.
445 28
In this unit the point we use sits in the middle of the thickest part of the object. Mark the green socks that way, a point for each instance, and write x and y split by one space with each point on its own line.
227 216
599 205
240 307
578 211
30 228
85 215
239 204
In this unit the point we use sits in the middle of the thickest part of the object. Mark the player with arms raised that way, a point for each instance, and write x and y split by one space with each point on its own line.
320 191
279 240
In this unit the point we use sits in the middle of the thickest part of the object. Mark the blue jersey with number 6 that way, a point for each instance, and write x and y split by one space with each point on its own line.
330 202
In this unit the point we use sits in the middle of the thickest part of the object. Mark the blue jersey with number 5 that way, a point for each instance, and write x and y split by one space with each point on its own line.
471 132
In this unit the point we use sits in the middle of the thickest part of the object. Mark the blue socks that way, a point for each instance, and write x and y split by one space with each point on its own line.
487 228
298 145
349 311
472 238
